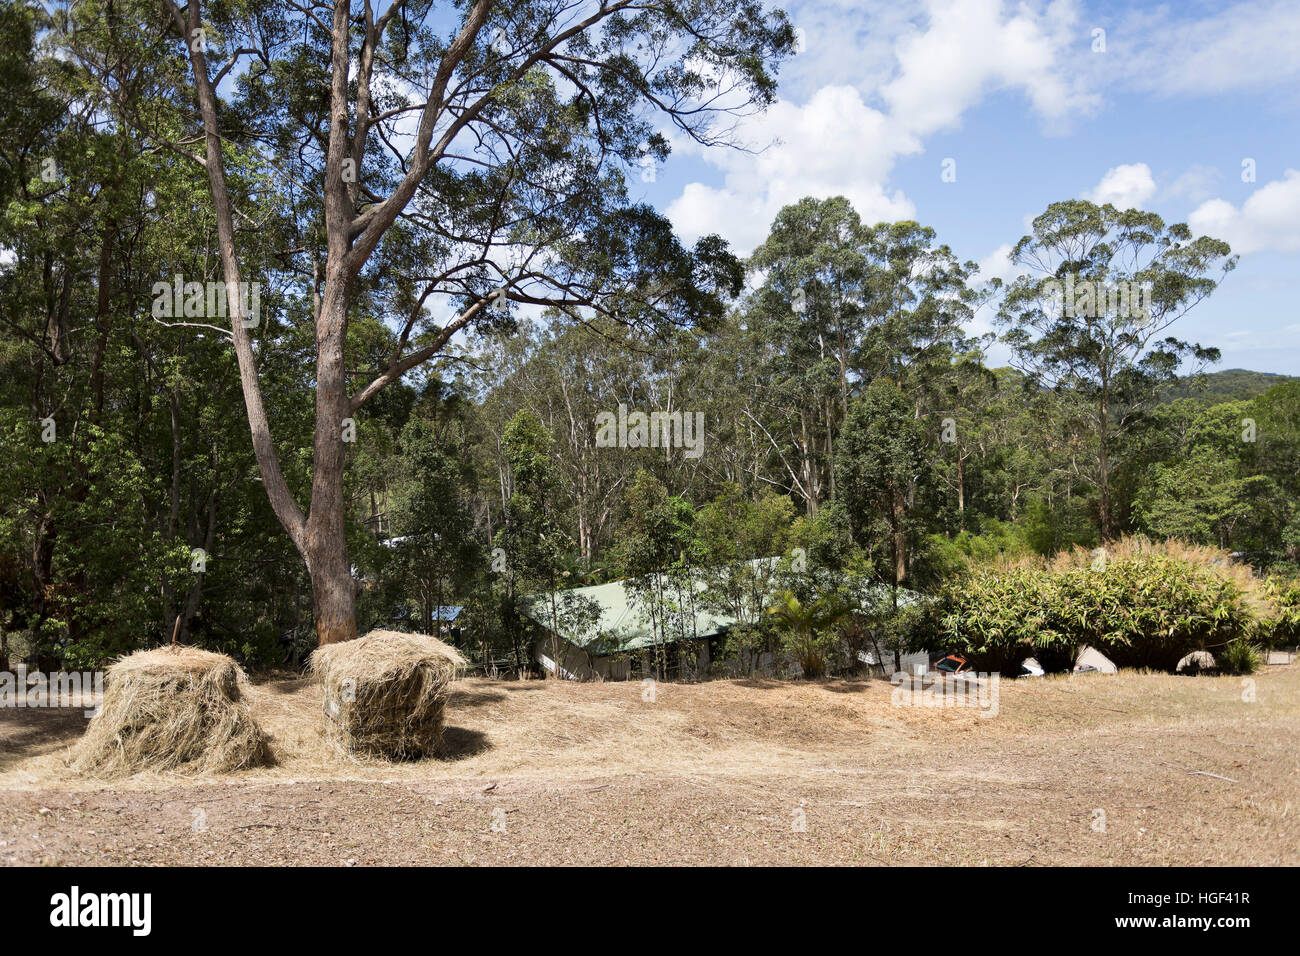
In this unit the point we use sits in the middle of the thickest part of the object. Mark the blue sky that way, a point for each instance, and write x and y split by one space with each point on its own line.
1015 93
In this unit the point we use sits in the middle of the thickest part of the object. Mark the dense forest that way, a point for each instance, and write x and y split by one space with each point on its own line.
823 400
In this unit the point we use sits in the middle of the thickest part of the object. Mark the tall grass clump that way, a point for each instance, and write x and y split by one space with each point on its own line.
999 616
1143 604
1238 656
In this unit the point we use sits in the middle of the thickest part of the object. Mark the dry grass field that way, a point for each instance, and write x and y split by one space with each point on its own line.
738 772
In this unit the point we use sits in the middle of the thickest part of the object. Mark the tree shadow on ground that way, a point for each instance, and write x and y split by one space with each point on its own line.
477 697
460 743
30 731
291 686
473 698
856 685
760 683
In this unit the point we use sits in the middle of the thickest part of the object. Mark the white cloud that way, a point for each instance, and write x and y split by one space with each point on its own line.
998 265
1196 184
837 144
968 50
833 145
1124 187
1268 221
844 42
1247 46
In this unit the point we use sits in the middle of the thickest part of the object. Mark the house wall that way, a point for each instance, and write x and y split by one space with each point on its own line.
577 664
574 664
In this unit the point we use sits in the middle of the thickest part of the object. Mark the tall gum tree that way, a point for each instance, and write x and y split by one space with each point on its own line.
1090 314
469 155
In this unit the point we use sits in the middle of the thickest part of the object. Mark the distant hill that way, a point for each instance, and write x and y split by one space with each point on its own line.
1230 385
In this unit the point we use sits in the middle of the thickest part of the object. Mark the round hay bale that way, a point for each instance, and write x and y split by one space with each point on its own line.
385 693
169 709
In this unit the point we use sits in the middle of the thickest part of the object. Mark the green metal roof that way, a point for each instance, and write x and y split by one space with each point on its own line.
626 625
622 622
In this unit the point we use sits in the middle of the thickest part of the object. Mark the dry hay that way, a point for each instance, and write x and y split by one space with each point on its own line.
385 693
172 709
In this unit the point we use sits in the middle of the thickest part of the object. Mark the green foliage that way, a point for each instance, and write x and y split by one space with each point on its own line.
1107 359
656 548
881 454
1152 611
825 390
1238 656
997 618
1141 610
809 631
1060 526
434 558
1281 627
995 540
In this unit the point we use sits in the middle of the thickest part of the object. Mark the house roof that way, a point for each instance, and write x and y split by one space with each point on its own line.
621 622
624 625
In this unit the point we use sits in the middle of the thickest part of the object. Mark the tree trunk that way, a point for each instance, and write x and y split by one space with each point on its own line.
320 535
1105 517
961 489
899 533
333 596
326 548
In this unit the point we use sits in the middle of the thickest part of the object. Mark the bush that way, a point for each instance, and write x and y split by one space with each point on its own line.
1142 605
1281 626
1238 656
1153 610
994 617
945 555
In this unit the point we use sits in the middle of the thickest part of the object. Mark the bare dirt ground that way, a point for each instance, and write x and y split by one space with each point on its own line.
1128 769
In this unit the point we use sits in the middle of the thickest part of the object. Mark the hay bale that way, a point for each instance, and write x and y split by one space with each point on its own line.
172 708
385 693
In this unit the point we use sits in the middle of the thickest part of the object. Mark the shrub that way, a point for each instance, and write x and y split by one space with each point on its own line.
1281 625
994 616
1238 656
808 630
994 541
1153 610
1142 604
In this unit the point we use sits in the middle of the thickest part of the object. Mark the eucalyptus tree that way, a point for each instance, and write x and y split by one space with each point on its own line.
436 554
964 400
806 321
841 304
440 164
881 459
919 303
532 547
569 372
1088 318
654 544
